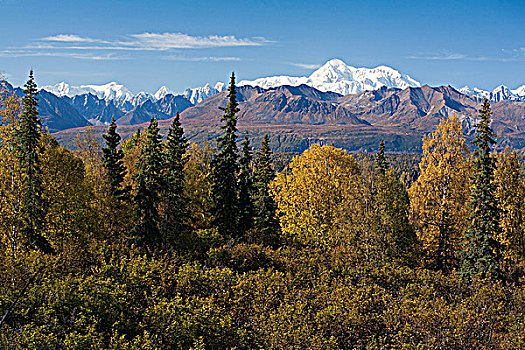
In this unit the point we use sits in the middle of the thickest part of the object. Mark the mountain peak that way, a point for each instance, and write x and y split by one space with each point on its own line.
162 92
196 95
336 76
334 64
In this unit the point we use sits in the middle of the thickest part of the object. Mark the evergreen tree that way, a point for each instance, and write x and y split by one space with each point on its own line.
27 138
112 160
395 237
175 201
246 210
381 163
482 252
266 222
148 186
225 169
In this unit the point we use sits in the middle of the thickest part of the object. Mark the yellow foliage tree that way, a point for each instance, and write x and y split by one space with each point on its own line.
66 194
439 196
510 193
310 192
9 174
197 186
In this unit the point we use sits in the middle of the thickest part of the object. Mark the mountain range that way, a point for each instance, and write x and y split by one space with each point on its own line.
336 76
351 107
501 93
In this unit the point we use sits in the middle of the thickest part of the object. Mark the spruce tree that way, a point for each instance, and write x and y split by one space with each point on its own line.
394 235
27 138
266 223
225 169
112 157
175 210
148 186
246 210
381 163
482 252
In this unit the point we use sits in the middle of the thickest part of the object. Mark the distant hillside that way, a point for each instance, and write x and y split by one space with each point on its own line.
296 117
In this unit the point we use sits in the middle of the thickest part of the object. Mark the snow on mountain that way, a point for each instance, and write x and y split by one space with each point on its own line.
501 93
162 92
337 76
198 94
140 98
519 92
475 92
123 98
110 92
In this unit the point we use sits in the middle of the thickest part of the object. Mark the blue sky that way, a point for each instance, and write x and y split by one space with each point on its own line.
147 44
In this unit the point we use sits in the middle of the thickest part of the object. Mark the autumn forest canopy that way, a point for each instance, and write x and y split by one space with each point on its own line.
158 243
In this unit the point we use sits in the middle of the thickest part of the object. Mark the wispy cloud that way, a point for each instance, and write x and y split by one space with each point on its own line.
306 65
201 59
508 56
82 56
150 42
439 57
72 38
169 44
166 41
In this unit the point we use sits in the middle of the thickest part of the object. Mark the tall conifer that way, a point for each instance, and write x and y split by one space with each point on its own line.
27 137
225 169
175 201
482 252
395 236
246 210
381 163
265 222
112 157
149 184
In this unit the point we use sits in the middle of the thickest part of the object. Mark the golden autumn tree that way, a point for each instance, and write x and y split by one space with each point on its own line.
197 185
9 174
510 191
66 194
310 192
439 196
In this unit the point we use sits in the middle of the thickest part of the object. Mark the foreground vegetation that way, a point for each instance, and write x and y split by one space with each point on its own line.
158 244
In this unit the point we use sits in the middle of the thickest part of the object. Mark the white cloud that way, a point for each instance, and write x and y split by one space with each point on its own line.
440 57
149 42
306 65
166 41
201 59
86 48
509 56
82 56
71 38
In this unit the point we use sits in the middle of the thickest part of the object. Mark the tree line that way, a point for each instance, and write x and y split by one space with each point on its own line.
157 243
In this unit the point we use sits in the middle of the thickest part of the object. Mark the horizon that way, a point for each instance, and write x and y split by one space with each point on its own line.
180 45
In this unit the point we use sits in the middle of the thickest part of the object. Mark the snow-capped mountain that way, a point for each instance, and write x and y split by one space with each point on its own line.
196 95
501 93
337 76
110 92
122 97
162 92
519 91
475 92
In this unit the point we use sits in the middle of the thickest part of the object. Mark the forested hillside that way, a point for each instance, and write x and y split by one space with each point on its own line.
158 243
